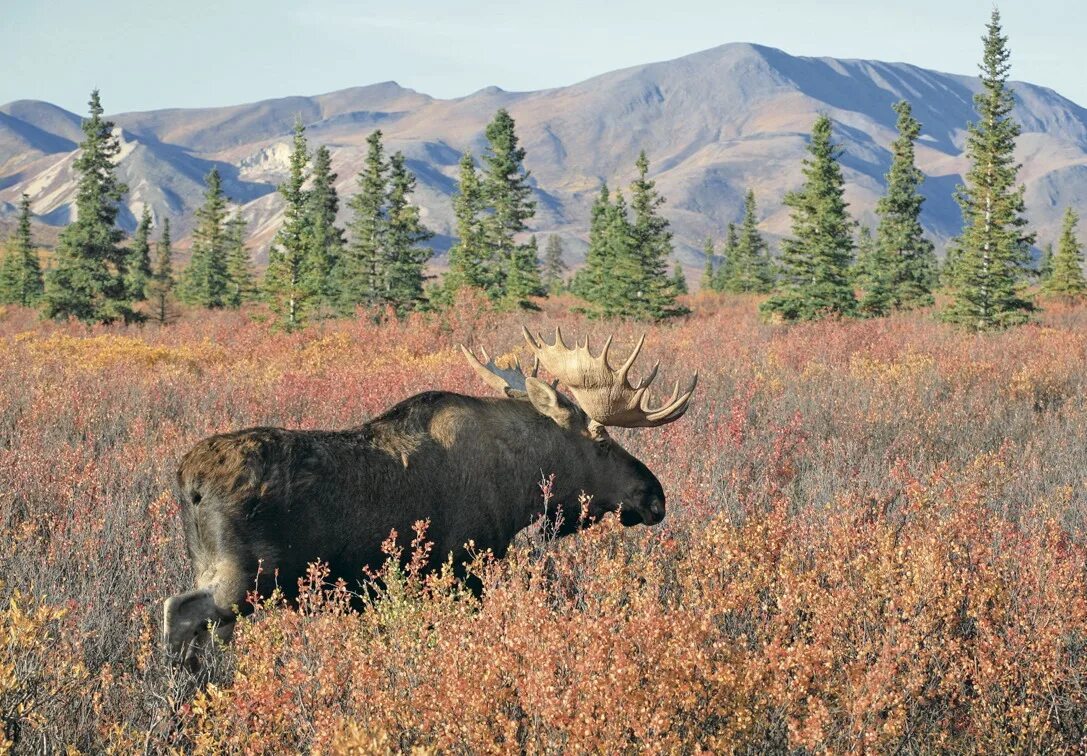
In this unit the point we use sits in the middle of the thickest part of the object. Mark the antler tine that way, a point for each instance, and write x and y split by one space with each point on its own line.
625 369
604 352
500 379
674 408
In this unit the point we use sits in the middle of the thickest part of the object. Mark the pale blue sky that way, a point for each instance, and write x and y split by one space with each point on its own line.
147 54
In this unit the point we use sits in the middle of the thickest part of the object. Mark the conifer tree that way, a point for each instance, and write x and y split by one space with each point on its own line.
160 288
138 264
363 274
205 281
992 256
902 270
706 283
292 283
589 282
241 283
509 196
470 261
1045 263
749 267
554 264
325 242
405 259
679 280
654 297
20 271
725 271
87 280
1066 279
814 278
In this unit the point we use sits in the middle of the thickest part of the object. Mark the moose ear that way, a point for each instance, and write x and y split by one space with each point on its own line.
550 403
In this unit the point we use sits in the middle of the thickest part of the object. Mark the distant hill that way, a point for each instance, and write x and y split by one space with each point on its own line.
713 124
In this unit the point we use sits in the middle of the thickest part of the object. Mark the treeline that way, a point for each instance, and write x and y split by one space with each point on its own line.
828 265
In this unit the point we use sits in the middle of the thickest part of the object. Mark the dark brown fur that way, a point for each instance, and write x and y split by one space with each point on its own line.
471 466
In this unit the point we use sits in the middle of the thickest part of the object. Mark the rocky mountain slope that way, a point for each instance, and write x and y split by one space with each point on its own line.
713 124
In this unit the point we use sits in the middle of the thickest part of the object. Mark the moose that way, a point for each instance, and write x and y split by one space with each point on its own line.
259 505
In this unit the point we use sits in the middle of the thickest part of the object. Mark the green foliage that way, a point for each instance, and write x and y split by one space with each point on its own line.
324 240
88 279
992 256
138 264
20 270
242 286
492 209
292 283
554 267
706 282
205 282
1066 279
748 267
901 270
724 272
160 288
404 259
363 276
653 296
1045 263
815 263
679 280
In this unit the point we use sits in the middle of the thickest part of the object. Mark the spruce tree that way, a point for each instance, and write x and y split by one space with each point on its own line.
508 195
405 259
902 271
992 256
291 283
205 281
20 271
470 262
590 281
160 288
706 283
87 280
325 242
363 278
241 283
555 268
725 271
815 262
679 280
1045 263
138 264
1067 279
749 266
654 297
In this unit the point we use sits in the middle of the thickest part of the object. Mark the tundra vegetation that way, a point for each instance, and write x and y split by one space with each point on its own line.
875 535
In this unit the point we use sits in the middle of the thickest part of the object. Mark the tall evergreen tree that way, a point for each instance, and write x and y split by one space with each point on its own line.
160 288
706 283
325 241
292 283
470 260
241 283
815 262
725 271
138 264
654 297
87 280
509 196
1045 263
902 271
363 274
1067 279
590 281
992 256
405 259
205 281
749 266
554 270
20 271
679 280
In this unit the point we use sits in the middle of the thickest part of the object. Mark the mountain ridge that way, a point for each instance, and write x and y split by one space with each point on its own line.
713 123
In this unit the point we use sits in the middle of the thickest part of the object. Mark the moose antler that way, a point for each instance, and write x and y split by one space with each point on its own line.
501 380
606 395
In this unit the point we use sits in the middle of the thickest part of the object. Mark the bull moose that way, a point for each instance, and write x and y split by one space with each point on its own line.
266 500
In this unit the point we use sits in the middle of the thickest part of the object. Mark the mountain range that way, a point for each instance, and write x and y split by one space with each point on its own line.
712 123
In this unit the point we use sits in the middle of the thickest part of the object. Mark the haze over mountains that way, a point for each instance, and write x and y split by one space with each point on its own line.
713 123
